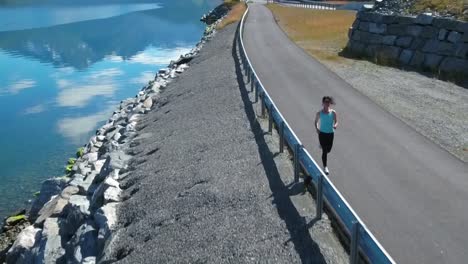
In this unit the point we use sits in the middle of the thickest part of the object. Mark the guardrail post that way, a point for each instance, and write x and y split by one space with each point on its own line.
252 84
270 121
353 254
256 92
319 209
297 148
249 73
281 146
262 102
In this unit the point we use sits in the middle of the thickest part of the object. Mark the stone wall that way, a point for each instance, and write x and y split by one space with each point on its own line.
424 43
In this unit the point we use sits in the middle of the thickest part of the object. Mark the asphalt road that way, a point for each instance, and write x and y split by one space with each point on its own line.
411 193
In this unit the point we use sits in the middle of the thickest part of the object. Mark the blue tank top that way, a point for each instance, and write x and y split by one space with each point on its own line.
326 122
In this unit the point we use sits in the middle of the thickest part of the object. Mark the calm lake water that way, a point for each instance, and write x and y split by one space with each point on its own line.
63 70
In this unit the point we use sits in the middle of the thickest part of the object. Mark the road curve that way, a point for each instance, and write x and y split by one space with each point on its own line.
412 194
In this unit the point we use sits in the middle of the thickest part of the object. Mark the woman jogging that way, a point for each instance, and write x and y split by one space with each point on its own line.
326 122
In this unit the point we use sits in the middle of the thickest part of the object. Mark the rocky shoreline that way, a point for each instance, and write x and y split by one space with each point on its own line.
73 217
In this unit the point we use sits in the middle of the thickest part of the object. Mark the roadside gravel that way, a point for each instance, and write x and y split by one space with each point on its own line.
435 108
198 189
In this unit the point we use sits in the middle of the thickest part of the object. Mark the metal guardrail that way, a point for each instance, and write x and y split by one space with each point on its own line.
307 4
361 238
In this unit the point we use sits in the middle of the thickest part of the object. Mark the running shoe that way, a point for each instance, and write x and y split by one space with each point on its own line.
326 170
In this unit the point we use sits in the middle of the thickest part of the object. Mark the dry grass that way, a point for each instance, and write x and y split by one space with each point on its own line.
452 6
322 33
234 15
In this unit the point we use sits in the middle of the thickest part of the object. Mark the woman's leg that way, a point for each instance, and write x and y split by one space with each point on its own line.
326 142
324 157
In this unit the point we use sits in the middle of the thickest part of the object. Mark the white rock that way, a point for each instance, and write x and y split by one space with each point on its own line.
93 140
115 174
173 74
52 208
98 144
108 191
112 194
117 136
156 86
91 157
148 103
50 246
106 216
83 245
80 202
134 117
77 211
89 260
100 138
20 252
97 166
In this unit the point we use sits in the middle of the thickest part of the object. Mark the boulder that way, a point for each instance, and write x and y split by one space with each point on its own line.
83 245
406 56
117 136
431 62
148 103
91 157
364 26
396 29
21 252
49 188
424 19
371 38
108 191
377 28
118 160
404 42
461 50
69 191
454 68
389 40
77 212
97 165
454 36
413 30
418 43
15 219
429 32
442 34
106 221
417 59
49 247
83 183
438 47
462 26
405 20
53 208
387 54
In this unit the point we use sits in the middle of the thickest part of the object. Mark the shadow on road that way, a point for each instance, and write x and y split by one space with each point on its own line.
305 246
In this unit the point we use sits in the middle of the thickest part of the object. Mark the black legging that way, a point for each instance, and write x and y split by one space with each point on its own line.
326 142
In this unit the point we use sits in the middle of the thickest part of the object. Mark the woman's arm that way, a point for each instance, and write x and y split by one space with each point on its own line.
317 117
335 118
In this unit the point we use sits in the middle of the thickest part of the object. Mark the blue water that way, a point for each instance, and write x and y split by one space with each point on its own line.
63 70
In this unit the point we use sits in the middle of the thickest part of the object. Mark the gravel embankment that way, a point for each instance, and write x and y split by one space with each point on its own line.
435 108
197 189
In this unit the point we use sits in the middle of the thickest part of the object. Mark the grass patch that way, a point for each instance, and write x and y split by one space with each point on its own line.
322 33
235 14
454 7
